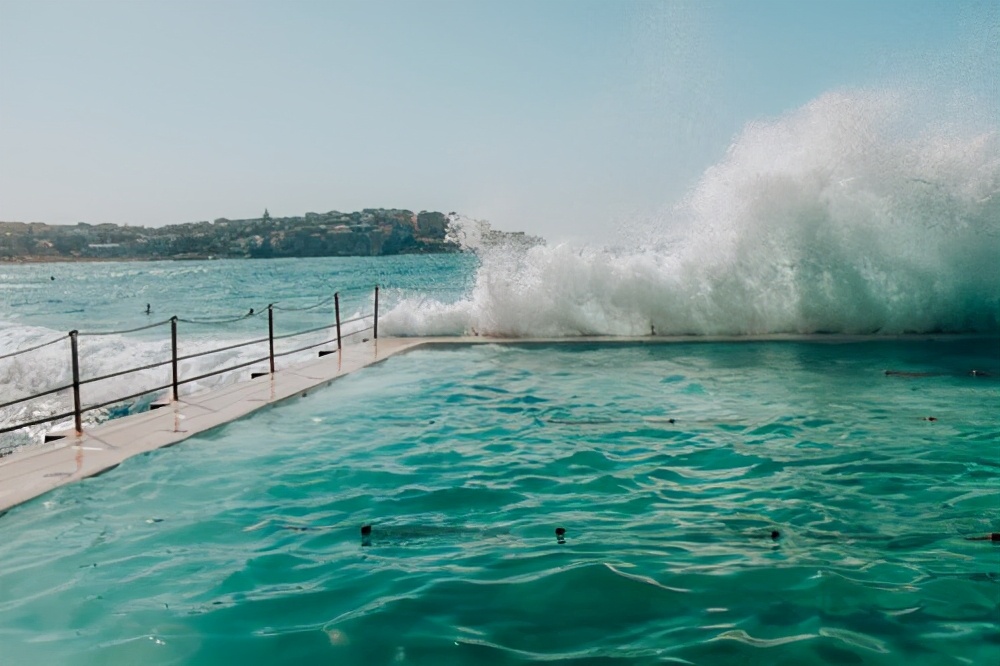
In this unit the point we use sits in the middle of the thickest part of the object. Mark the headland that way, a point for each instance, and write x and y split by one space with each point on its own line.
369 232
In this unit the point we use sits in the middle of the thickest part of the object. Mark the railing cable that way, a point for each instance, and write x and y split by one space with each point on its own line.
309 330
362 330
130 330
221 349
36 395
301 349
219 372
47 419
308 307
124 398
124 372
31 349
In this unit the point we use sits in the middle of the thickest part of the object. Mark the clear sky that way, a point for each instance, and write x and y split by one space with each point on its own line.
557 117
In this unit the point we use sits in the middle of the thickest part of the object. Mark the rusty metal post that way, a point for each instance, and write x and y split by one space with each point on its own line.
375 332
77 412
270 334
173 352
336 308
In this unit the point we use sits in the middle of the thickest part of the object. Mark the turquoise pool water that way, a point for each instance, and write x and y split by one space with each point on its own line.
245 546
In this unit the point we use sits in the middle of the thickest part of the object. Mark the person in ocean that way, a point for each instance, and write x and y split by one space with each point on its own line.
149 309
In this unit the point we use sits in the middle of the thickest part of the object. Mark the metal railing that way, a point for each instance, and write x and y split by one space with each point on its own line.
176 380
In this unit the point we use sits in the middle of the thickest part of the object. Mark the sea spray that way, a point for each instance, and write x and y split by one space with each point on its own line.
44 369
848 215
99 298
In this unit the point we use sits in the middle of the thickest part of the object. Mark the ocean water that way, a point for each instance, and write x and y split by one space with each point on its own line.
40 303
668 466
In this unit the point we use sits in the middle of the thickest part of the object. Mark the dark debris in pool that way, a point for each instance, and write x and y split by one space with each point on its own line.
992 536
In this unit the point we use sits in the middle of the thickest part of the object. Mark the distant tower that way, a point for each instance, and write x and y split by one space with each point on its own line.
266 217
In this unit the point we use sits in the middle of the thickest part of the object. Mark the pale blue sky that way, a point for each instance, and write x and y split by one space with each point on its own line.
556 117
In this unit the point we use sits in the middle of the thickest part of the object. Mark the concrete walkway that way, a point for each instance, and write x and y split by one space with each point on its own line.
35 470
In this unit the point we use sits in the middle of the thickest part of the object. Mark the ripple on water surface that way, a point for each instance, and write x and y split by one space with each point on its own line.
772 503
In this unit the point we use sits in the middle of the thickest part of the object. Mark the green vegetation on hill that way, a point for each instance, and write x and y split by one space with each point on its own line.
369 232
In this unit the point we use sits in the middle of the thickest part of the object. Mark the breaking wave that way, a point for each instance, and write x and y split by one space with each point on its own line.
844 216
46 368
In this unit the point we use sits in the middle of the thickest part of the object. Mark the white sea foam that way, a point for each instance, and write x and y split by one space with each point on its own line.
848 215
49 367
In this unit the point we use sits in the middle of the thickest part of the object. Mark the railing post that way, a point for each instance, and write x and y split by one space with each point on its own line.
77 412
173 353
336 308
270 334
375 332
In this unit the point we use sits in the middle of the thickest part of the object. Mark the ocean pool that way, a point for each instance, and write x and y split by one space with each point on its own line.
669 466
